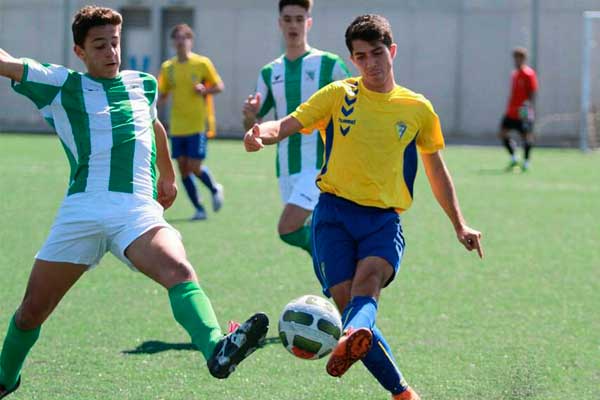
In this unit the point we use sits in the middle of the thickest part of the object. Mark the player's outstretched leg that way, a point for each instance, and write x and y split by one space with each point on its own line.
193 310
5 392
236 346
359 318
380 362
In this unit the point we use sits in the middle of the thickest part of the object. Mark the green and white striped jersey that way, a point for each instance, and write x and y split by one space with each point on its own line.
105 125
284 85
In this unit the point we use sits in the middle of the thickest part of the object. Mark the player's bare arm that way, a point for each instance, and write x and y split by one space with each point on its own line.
270 132
10 67
167 189
445 194
204 90
250 111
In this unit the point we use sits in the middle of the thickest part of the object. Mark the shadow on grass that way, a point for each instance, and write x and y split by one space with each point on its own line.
157 346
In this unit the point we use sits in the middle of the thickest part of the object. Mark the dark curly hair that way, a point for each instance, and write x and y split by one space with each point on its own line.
370 28
91 16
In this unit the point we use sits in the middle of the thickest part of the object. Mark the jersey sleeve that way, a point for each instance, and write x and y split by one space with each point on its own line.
313 114
533 82
151 93
41 83
340 70
263 86
430 138
164 86
212 77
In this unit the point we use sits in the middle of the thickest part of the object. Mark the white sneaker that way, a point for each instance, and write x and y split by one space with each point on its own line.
217 198
199 215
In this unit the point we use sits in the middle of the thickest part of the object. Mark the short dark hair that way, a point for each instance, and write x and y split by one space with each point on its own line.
306 4
370 28
520 52
91 16
183 28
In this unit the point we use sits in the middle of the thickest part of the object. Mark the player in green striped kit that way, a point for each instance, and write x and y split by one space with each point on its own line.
121 181
282 86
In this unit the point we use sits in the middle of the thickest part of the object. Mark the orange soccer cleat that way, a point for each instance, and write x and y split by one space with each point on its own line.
352 346
408 394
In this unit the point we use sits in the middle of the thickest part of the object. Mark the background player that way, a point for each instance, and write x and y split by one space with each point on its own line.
106 122
520 110
373 129
190 78
282 85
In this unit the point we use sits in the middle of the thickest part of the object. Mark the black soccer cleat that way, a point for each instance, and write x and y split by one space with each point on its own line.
236 346
5 392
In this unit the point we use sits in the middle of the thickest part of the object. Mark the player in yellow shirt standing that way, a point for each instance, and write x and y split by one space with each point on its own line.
190 78
373 131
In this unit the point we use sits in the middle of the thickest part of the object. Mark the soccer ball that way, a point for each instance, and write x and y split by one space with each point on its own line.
309 327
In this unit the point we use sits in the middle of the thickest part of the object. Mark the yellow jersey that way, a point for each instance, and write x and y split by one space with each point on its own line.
189 111
371 141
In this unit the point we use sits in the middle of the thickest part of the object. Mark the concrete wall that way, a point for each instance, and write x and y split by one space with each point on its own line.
456 52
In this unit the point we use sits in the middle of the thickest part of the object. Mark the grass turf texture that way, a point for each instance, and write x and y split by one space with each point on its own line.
522 324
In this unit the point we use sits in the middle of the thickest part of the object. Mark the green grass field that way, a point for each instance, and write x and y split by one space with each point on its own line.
522 324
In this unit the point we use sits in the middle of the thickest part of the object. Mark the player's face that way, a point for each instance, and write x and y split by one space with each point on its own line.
374 61
519 61
101 51
294 22
182 43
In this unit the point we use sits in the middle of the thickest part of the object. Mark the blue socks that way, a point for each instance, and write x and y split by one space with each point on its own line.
207 179
361 312
190 188
380 362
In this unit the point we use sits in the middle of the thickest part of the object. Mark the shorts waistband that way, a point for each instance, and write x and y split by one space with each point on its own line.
332 198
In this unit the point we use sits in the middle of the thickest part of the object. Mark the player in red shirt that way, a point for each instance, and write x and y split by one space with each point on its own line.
520 111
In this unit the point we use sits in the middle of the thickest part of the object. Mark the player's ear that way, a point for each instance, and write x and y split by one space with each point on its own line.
79 52
393 50
309 23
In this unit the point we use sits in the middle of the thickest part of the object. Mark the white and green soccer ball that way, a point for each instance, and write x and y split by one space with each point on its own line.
309 327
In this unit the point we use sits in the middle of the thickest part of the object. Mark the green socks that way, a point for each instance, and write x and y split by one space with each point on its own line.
192 309
301 238
16 346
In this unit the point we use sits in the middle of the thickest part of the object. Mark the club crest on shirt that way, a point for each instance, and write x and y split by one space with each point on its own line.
310 75
277 79
400 129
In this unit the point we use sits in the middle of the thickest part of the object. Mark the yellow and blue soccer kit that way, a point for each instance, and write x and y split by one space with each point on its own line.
371 143
189 111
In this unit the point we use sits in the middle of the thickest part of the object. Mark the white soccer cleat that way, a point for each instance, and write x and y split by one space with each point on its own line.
217 198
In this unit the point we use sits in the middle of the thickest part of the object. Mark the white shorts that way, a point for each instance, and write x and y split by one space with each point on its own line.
300 189
90 224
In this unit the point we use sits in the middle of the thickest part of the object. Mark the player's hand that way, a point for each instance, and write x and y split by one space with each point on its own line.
252 140
471 239
251 106
200 89
167 192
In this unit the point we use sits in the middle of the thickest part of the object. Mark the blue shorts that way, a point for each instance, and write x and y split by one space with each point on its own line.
192 146
344 233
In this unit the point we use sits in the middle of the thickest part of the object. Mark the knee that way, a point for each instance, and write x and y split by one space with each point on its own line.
183 170
286 226
177 272
368 284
